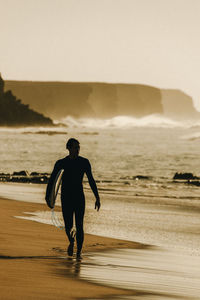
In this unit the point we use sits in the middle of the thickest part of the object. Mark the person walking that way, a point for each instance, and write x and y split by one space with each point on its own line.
72 194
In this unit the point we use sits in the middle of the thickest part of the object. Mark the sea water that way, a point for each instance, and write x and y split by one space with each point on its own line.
160 273
151 209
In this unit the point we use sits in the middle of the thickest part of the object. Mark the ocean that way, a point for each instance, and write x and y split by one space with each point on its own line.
119 150
133 162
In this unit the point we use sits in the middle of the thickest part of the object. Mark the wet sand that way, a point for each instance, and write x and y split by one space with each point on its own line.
162 273
34 263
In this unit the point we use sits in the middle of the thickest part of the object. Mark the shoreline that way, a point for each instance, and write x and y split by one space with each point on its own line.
33 257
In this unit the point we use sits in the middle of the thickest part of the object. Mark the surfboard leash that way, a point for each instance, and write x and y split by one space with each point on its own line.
55 220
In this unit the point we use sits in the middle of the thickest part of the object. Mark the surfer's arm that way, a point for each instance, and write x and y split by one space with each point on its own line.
93 186
56 168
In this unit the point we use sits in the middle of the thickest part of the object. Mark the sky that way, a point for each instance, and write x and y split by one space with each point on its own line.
154 42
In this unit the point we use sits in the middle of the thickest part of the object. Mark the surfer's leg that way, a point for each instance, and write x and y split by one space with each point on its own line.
79 216
68 220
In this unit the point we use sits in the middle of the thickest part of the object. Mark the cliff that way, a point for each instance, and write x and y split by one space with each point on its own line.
177 104
15 113
89 99
102 100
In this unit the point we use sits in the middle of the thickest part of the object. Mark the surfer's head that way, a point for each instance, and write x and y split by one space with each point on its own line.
73 146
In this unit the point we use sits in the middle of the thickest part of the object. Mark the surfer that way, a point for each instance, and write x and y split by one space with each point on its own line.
72 194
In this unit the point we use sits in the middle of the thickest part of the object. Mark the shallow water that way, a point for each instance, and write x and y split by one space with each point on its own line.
117 155
23 192
171 272
167 222
166 274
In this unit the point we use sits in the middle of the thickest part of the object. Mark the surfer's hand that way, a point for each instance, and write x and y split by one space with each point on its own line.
97 204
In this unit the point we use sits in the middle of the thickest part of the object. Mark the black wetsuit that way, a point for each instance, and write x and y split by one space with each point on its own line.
72 195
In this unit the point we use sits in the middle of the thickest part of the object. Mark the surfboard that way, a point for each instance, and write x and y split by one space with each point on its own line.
55 188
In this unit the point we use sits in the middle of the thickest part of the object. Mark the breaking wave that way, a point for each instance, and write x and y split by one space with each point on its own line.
128 122
91 125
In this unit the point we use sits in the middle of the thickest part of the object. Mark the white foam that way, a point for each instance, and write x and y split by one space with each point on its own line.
44 217
154 120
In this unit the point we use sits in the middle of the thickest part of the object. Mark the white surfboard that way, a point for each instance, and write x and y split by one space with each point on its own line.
55 188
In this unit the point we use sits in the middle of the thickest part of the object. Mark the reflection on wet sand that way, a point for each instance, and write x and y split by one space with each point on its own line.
70 267
159 272
67 266
154 273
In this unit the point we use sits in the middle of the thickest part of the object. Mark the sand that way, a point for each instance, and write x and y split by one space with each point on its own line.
33 259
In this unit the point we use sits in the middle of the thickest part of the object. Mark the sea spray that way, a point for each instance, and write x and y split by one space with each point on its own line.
154 120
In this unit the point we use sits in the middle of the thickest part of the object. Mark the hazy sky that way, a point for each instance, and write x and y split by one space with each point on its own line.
154 42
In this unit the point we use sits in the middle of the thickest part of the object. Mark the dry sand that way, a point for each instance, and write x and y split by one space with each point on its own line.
33 259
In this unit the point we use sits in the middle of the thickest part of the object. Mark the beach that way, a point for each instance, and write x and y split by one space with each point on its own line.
33 258
142 244
35 265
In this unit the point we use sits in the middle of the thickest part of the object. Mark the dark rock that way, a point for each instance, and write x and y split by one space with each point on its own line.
39 174
39 179
35 174
20 179
197 183
15 113
141 177
24 179
185 176
21 173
